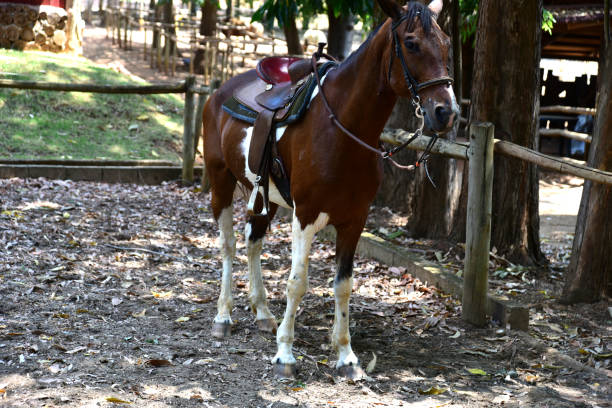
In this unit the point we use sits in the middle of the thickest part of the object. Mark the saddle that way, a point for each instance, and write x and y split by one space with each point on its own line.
279 96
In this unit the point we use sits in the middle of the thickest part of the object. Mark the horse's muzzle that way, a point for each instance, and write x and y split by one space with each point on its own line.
442 117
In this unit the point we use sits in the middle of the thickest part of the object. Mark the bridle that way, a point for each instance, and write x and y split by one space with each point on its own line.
413 86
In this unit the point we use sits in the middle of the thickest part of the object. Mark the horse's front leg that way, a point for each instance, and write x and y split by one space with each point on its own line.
297 284
346 243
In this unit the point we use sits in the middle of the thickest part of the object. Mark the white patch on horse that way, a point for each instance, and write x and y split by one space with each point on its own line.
297 284
273 192
453 99
280 132
227 243
341 338
316 90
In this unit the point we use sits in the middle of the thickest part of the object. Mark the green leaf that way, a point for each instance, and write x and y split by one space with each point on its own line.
476 371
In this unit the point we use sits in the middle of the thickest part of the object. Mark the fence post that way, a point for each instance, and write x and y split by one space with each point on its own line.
188 129
478 235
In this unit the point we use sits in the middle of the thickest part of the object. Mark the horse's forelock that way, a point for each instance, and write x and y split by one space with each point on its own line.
424 14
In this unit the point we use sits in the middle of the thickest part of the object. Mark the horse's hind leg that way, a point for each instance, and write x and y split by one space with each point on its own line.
222 186
255 230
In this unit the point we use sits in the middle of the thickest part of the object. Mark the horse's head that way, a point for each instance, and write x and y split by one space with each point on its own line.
417 58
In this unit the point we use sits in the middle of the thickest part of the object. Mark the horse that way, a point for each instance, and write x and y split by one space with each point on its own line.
333 163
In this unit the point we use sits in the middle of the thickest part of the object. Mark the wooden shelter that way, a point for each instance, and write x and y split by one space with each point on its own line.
577 32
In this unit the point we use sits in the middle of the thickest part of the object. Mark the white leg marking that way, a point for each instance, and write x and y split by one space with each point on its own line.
257 291
227 242
273 193
341 338
297 284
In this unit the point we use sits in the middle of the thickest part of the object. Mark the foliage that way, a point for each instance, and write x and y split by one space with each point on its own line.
56 125
281 10
469 20
547 21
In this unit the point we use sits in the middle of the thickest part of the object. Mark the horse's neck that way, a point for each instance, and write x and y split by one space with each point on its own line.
360 93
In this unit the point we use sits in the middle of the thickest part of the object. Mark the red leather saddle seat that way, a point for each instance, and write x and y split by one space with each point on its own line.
275 70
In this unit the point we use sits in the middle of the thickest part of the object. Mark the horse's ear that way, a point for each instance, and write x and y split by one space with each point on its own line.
391 8
436 7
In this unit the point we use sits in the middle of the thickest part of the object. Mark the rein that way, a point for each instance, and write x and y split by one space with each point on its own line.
413 87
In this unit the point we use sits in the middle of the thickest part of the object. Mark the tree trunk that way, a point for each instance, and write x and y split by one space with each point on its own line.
88 11
589 276
512 105
168 18
430 210
294 47
340 33
74 33
229 11
208 27
157 15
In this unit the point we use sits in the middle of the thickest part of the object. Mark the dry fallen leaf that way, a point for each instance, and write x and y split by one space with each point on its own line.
162 295
117 400
158 363
432 391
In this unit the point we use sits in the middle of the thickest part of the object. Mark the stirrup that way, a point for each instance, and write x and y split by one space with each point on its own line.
252 198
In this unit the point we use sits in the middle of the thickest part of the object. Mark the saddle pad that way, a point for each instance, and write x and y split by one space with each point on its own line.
295 111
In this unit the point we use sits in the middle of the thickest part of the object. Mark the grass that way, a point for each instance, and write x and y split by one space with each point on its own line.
72 125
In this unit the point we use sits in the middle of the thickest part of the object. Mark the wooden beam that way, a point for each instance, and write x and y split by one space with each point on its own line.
178 87
478 235
568 109
582 137
188 129
442 147
552 163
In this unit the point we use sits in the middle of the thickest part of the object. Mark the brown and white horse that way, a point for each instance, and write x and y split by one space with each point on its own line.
333 178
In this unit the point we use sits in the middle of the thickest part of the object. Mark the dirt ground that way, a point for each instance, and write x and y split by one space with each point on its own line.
107 295
108 292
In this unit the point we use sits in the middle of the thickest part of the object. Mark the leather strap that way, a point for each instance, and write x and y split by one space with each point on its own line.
261 130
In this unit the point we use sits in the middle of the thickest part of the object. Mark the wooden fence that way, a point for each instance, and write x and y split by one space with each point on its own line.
479 153
192 116
222 56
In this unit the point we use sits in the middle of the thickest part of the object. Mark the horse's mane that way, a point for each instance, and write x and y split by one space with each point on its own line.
415 9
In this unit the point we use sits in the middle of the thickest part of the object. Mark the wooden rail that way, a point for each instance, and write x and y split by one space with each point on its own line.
459 151
583 137
188 87
567 109
178 87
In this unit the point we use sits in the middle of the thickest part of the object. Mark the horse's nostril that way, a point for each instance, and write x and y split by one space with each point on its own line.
442 113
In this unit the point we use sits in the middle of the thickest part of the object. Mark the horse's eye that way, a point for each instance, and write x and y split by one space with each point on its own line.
411 46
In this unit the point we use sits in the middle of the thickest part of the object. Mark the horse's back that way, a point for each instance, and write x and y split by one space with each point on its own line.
215 118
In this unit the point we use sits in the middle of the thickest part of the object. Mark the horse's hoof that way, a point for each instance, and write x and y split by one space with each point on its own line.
267 325
285 371
351 372
221 330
